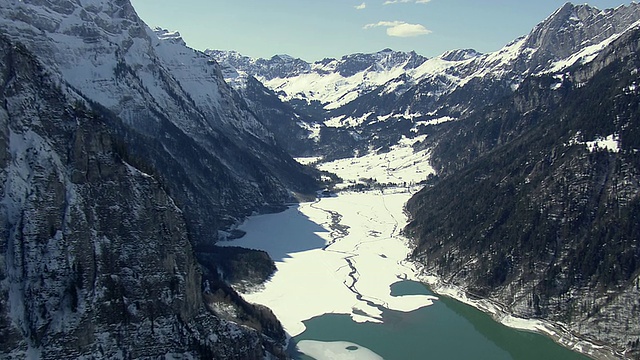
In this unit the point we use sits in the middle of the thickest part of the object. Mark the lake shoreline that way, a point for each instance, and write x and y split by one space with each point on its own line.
555 331
368 230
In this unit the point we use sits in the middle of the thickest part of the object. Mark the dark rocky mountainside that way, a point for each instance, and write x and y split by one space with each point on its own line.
95 259
537 204
216 158
126 156
291 129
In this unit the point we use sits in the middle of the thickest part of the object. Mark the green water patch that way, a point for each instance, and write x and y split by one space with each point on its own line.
448 329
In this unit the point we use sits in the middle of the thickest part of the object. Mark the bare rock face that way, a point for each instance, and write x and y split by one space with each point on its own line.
174 108
94 255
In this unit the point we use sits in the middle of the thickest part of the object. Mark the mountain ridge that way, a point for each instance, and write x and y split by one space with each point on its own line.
547 178
96 258
359 72
193 142
160 88
445 87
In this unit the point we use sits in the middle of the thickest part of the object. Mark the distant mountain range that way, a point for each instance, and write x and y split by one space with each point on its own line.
332 82
408 92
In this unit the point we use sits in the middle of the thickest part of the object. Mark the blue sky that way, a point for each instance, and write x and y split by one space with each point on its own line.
315 29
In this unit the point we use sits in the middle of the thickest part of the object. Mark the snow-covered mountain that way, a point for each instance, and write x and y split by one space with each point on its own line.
536 143
155 155
96 260
125 154
97 46
359 92
331 82
455 83
168 93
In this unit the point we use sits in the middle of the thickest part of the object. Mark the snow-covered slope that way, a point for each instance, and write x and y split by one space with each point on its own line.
332 82
95 256
363 88
156 118
99 45
362 103
460 81
206 141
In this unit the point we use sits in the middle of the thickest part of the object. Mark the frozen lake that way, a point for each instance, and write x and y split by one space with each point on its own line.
344 290
446 330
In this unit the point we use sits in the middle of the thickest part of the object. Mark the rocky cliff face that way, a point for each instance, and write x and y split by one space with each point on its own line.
126 155
95 260
546 185
217 159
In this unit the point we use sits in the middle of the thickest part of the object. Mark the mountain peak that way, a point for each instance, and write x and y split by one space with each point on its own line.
573 27
173 36
284 57
572 12
460 55
87 20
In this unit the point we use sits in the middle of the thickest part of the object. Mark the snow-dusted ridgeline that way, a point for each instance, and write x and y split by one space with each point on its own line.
412 84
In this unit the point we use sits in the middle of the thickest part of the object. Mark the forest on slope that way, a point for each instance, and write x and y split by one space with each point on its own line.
531 209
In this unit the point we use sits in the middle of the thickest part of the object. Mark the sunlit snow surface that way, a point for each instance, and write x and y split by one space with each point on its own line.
400 165
338 350
344 267
610 143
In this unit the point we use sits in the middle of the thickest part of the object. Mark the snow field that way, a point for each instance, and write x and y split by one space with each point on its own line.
324 270
400 165
338 350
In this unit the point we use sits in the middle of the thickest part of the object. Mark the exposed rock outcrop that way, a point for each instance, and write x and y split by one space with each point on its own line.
95 259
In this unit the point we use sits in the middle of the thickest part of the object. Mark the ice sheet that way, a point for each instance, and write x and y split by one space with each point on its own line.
338 350
337 255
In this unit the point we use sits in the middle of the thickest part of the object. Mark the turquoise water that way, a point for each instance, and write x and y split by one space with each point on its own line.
446 330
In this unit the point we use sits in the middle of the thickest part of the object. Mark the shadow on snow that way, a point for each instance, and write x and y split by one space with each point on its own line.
280 234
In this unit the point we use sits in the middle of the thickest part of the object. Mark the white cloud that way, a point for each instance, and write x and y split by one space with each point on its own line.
389 2
400 28
362 6
384 23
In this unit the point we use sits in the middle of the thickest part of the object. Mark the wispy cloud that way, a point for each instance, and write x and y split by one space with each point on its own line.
389 2
361 6
400 28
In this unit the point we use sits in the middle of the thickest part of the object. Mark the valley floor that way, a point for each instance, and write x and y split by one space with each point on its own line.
341 253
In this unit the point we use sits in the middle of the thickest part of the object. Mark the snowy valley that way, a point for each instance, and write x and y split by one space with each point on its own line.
132 166
452 121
